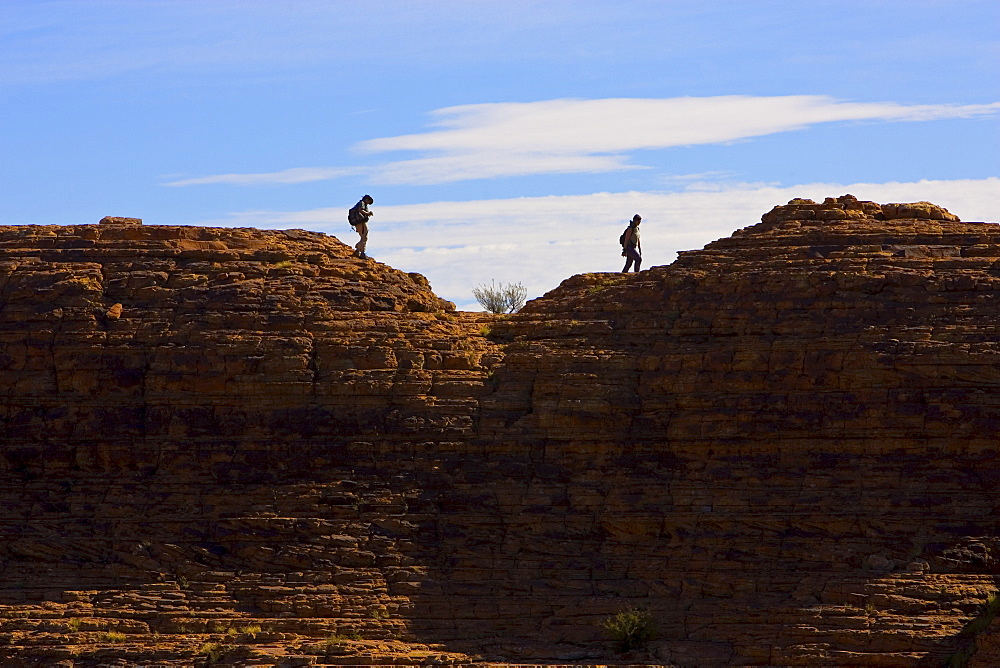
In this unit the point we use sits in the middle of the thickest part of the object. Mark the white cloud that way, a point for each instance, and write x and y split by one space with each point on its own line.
540 241
574 136
286 176
480 141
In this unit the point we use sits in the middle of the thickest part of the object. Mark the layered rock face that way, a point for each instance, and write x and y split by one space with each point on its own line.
790 435
249 446
200 431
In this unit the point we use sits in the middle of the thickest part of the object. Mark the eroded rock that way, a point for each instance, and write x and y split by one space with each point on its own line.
280 451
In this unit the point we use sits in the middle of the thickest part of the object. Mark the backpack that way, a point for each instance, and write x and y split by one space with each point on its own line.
354 216
621 239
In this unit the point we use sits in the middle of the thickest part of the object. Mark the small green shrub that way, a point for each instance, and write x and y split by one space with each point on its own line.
337 637
111 636
213 651
630 629
250 630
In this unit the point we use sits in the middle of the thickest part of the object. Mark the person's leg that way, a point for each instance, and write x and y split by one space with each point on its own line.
633 256
362 229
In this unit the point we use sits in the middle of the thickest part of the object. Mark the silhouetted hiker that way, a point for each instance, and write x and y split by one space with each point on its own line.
631 248
358 216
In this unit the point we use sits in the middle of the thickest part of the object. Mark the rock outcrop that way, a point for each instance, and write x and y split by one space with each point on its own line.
248 446
200 430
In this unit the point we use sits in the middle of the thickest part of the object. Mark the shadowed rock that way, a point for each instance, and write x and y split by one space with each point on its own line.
782 446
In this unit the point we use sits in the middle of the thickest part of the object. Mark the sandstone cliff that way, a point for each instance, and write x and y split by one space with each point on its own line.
248 446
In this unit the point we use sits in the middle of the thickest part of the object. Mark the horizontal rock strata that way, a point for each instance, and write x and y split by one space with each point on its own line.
200 430
251 447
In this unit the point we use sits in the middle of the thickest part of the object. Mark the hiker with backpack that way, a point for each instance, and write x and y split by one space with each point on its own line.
358 216
631 248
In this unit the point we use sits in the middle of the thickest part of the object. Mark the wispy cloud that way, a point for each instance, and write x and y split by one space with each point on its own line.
482 141
577 136
285 176
714 175
542 240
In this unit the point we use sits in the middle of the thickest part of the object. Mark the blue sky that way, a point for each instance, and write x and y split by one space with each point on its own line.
500 140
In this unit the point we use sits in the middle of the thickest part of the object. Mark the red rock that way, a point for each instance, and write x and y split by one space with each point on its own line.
783 446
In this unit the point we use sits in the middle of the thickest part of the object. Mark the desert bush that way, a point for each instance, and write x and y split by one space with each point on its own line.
630 629
214 652
500 297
